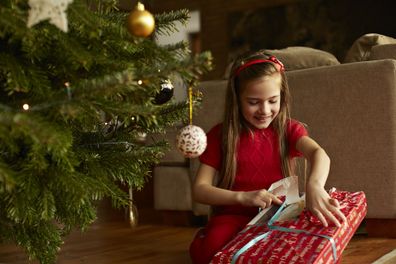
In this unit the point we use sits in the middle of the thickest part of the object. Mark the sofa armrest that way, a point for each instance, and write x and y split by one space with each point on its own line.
172 157
350 110
380 52
172 188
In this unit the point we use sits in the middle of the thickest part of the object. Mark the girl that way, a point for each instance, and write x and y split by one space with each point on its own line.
250 150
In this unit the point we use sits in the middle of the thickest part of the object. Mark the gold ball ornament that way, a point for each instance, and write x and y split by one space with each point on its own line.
141 23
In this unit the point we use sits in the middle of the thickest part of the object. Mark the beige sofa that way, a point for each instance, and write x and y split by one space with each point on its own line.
350 109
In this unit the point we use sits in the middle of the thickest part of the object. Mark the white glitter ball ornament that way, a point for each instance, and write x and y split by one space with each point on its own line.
191 141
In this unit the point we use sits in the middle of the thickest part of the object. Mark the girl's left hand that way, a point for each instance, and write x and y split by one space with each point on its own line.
319 202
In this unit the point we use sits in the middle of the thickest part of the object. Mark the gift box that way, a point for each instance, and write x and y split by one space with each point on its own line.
302 240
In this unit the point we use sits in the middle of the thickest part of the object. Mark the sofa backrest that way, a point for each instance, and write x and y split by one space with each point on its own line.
210 113
350 110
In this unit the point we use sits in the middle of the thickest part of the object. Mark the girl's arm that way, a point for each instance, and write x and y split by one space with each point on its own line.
205 192
318 200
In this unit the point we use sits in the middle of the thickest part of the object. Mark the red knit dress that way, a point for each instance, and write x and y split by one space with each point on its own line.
258 166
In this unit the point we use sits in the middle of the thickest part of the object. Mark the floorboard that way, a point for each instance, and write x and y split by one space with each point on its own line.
117 243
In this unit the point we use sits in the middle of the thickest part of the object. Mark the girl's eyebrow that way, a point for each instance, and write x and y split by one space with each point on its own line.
256 98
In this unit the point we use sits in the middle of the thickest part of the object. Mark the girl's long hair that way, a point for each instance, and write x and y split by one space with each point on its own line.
234 122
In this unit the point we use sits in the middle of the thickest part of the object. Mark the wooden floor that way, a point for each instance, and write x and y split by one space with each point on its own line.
116 243
111 240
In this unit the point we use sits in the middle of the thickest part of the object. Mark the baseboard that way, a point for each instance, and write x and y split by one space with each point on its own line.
182 218
381 227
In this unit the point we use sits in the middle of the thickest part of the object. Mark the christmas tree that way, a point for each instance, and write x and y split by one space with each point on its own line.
77 92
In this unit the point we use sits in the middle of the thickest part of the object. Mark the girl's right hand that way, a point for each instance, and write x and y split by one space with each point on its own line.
260 198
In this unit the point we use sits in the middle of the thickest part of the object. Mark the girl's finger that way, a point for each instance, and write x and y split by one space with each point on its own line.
276 200
332 218
321 218
334 202
337 212
336 209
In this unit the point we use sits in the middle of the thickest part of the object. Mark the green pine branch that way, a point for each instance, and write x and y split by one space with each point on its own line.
73 107
166 22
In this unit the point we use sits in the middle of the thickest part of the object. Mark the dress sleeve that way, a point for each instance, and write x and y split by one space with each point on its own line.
295 130
212 155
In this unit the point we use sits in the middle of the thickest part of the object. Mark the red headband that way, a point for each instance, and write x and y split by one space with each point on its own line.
270 59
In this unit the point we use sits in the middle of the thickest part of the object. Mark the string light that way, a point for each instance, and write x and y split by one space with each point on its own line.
67 85
25 107
140 82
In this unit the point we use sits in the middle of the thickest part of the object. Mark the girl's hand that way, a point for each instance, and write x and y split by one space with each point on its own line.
261 198
322 206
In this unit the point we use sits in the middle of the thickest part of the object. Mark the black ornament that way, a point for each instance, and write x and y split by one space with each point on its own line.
165 94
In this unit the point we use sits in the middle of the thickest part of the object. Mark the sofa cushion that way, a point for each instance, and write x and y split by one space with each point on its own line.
296 58
362 47
380 52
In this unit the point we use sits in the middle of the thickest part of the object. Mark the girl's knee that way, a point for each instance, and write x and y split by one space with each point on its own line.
199 253
214 237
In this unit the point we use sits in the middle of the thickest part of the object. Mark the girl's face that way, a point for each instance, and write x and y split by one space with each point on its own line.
260 100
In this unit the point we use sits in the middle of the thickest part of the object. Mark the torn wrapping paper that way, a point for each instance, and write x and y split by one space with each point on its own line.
294 204
269 239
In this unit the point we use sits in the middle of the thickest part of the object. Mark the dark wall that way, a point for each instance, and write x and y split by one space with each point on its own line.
328 25
228 26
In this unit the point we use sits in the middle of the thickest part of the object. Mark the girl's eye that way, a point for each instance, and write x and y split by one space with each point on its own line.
252 102
273 101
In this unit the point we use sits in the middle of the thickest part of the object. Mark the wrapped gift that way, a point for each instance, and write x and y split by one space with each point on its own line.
302 240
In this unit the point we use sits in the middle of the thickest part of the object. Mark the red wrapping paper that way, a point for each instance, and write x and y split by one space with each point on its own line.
289 247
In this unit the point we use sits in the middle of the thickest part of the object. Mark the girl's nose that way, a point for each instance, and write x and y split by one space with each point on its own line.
265 108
